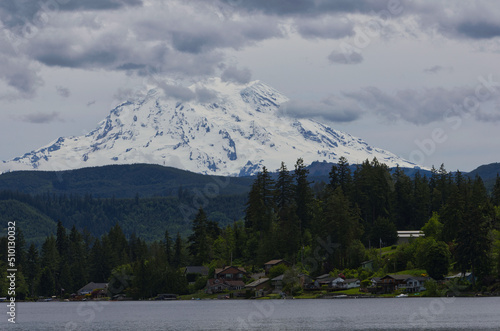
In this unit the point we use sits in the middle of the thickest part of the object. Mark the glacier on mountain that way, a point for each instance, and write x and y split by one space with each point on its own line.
235 131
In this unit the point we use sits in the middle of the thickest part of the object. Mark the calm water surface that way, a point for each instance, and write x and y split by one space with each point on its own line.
333 314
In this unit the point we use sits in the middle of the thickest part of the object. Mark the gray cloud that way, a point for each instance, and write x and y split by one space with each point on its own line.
233 74
15 13
204 94
177 92
207 35
470 19
423 106
162 39
479 30
327 27
41 118
434 69
63 91
20 74
333 108
345 58
307 7
98 4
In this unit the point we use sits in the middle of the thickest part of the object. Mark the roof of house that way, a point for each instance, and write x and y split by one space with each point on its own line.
280 277
258 282
411 234
323 276
226 283
92 286
216 282
257 275
197 270
223 270
326 280
459 275
398 277
351 280
274 262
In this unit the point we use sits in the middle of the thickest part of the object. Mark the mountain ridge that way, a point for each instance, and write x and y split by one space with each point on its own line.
220 128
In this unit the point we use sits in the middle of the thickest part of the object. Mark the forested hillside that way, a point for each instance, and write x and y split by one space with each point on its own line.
322 227
148 218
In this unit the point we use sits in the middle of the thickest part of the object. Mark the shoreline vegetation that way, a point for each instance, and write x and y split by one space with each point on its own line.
297 239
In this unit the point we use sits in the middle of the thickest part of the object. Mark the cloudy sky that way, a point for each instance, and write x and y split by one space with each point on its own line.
418 78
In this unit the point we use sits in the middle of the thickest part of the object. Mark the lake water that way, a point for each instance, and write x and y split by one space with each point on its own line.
328 314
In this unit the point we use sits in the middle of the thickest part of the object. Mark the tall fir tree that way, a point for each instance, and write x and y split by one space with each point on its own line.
199 240
303 196
168 247
178 256
32 269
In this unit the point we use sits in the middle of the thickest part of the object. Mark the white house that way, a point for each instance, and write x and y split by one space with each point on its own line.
350 283
337 282
414 284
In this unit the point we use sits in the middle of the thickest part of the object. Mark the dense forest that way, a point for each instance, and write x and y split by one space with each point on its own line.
319 227
146 217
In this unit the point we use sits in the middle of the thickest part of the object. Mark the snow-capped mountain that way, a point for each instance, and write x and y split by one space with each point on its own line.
224 129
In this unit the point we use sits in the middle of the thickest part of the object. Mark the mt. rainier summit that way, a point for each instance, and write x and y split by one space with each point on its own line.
223 128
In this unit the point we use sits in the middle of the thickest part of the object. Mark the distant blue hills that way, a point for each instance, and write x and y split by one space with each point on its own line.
126 181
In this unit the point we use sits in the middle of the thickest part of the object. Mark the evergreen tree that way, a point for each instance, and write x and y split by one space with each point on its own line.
452 215
260 205
20 248
402 201
47 287
340 225
177 258
78 261
62 242
285 191
473 242
168 247
384 232
421 200
100 261
496 192
303 196
372 190
438 260
50 255
199 240
344 176
32 269
118 246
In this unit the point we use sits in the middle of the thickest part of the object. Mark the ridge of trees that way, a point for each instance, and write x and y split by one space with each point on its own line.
319 226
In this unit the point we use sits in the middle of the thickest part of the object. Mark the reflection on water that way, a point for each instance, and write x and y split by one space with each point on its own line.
340 314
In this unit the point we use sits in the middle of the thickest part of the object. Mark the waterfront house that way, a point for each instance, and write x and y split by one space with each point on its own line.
260 286
467 276
216 286
367 265
268 265
391 283
90 287
198 270
414 284
230 273
192 273
407 236
349 283
277 283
